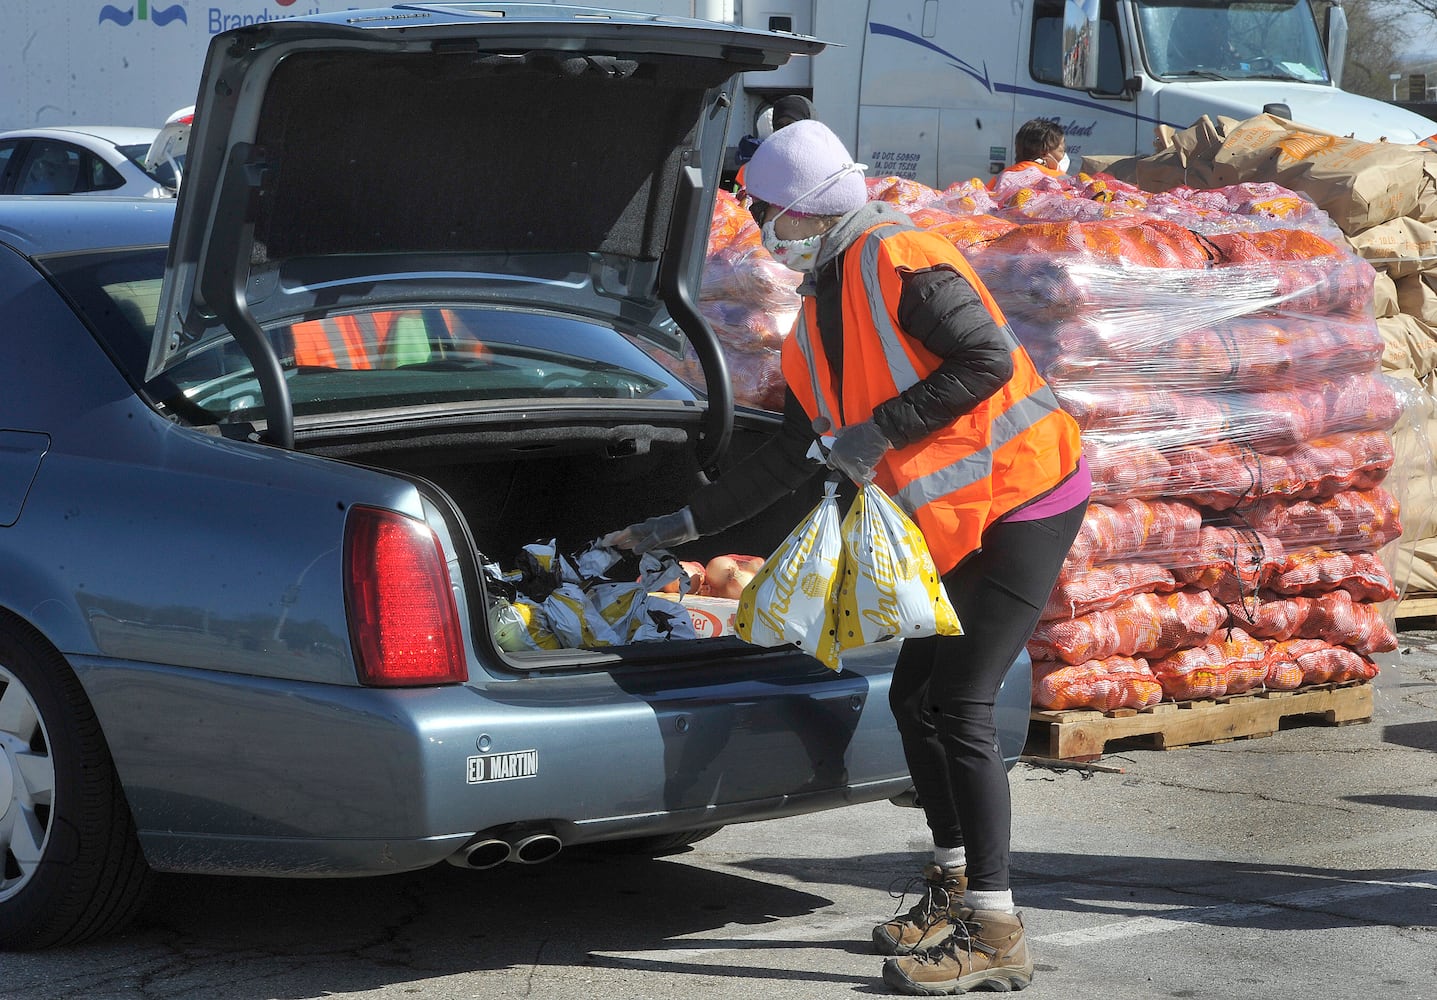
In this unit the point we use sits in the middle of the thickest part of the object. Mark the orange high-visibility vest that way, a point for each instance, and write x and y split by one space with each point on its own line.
1011 448
366 339
349 342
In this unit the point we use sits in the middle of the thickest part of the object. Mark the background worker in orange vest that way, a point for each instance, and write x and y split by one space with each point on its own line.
1041 144
901 351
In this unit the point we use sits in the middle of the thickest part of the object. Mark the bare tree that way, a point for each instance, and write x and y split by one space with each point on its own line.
1375 38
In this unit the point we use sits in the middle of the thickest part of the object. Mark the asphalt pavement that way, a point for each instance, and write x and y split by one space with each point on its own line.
1302 864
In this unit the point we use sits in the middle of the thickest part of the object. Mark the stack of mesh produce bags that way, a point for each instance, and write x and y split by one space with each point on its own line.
1220 351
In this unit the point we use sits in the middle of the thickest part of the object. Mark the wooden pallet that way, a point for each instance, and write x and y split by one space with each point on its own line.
1083 735
1416 606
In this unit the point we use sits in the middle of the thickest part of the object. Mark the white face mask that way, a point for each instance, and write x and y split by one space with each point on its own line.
1064 164
799 255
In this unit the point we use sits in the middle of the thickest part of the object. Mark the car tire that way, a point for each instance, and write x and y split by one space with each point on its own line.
71 867
658 845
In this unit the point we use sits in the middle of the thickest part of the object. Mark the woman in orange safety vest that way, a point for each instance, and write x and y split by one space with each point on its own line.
901 353
1039 145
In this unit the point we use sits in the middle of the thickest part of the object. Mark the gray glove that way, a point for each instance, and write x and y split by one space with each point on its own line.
856 450
662 532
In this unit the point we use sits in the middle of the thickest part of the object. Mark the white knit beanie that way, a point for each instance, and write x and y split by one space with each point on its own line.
805 168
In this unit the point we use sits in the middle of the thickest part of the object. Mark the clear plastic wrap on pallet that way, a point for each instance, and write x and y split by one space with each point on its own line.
1221 353
750 300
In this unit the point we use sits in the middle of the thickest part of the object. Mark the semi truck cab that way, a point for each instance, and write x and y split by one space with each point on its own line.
934 90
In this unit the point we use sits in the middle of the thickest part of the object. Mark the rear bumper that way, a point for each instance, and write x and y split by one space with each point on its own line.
240 775
232 774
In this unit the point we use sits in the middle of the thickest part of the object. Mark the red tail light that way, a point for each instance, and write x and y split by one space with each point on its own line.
403 620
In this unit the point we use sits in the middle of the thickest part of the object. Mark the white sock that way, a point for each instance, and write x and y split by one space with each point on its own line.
989 899
950 857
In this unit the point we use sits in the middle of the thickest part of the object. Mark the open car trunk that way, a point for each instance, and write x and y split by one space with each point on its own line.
572 482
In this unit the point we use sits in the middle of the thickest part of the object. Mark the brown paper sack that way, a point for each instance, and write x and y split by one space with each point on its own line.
1124 168
1385 301
1417 295
1426 209
1359 184
1412 482
1407 344
1399 246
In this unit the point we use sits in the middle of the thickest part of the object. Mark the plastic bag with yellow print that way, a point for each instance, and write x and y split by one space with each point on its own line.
791 599
890 588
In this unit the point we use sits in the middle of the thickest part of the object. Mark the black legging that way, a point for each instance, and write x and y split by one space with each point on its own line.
944 689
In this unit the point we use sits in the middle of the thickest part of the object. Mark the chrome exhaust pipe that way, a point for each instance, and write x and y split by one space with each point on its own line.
488 853
536 848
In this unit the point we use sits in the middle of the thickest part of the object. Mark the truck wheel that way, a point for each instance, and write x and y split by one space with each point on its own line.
70 863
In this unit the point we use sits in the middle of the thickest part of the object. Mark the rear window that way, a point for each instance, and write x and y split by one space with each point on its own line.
409 356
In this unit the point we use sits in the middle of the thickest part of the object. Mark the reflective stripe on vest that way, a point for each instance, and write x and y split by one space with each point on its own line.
1007 427
804 344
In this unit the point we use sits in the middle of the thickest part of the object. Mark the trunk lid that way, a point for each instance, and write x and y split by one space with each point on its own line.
530 155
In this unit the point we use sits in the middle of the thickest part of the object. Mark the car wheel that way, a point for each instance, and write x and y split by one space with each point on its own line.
70 862
658 845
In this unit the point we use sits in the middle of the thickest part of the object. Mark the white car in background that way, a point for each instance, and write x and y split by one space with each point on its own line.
110 160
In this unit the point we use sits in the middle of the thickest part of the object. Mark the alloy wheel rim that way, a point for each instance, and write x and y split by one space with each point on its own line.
27 785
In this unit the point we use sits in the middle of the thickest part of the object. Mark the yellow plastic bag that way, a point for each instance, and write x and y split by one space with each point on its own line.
890 588
791 597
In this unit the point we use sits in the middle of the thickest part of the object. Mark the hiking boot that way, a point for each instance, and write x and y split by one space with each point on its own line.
928 922
986 951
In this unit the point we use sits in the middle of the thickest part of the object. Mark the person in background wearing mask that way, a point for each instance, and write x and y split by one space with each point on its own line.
901 354
1041 144
780 114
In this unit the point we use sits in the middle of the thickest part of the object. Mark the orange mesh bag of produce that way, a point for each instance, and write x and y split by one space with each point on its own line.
930 217
1246 660
900 192
731 225
1067 205
1104 685
969 197
1283 671
1265 199
1108 189
1136 240
1359 403
1198 672
1130 529
1271 619
1134 411
1320 662
1220 475
1232 563
1320 468
747 276
1081 591
1244 353
1271 245
1333 617
1313 570
1141 625
1353 520
757 378
1340 620
742 327
1125 467
973 232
